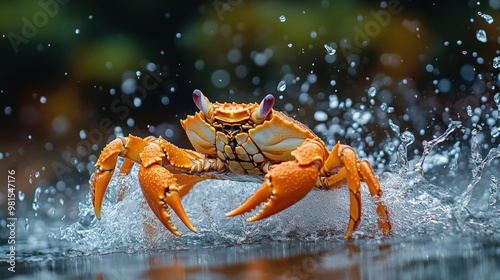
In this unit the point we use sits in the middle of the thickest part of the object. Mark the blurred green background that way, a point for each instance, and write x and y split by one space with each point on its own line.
73 70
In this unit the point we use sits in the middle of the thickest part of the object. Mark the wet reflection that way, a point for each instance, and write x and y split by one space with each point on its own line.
294 260
393 258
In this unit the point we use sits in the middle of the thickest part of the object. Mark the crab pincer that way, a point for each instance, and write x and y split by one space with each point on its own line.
286 183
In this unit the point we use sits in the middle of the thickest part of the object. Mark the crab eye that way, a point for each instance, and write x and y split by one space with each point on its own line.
201 101
265 107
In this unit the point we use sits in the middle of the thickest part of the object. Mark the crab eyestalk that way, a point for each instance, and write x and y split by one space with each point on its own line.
265 108
202 102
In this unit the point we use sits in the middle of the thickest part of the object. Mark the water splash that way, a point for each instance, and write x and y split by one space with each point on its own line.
429 145
479 165
492 200
400 164
205 205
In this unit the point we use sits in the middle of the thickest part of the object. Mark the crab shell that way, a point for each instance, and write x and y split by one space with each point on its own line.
264 136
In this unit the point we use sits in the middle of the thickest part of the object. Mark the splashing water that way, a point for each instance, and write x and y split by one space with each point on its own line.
417 207
429 145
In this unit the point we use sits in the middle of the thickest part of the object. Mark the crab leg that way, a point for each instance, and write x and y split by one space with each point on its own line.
162 164
354 183
368 176
127 147
286 183
354 170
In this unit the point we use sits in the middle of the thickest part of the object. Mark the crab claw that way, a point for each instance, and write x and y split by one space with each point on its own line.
161 191
105 166
98 185
283 186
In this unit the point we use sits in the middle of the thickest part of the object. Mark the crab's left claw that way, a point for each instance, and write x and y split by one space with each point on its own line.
105 166
285 184
161 191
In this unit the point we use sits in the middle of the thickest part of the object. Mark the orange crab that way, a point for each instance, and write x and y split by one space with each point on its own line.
231 138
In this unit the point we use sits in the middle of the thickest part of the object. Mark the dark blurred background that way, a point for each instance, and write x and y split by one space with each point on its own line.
74 73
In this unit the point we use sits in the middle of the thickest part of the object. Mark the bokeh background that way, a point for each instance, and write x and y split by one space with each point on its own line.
76 73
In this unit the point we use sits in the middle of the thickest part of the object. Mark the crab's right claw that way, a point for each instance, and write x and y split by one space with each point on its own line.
286 184
160 188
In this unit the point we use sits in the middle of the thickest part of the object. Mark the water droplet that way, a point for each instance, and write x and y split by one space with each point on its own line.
260 59
220 78
372 91
21 195
481 36
30 137
330 50
37 174
83 135
487 18
26 224
118 131
394 127
496 62
165 100
43 99
7 110
469 111
130 122
77 31
281 86
495 132
35 204
320 116
137 102
290 45
333 101
282 18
